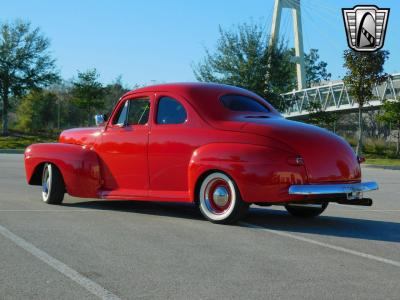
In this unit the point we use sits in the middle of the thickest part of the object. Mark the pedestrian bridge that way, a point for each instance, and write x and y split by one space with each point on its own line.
334 97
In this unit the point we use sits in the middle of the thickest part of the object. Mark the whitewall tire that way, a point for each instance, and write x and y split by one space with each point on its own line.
219 199
53 188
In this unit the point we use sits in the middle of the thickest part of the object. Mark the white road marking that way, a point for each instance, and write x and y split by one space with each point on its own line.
368 210
83 281
326 245
45 210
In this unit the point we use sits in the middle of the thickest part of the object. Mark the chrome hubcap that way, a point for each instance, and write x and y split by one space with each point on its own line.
217 196
221 196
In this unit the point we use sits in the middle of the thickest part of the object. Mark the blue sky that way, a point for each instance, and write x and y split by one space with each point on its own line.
158 40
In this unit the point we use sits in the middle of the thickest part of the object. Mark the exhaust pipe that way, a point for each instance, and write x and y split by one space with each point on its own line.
359 202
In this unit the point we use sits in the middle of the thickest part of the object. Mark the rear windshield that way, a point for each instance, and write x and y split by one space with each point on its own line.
243 103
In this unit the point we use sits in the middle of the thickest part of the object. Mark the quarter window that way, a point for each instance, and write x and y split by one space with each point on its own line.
243 103
170 111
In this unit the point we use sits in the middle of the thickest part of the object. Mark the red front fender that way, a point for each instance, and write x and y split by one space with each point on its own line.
78 165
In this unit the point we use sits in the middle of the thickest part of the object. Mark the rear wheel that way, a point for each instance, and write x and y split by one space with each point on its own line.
306 210
52 185
219 199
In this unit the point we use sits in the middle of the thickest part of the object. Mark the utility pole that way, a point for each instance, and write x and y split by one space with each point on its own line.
294 5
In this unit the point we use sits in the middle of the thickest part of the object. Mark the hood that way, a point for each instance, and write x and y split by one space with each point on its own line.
80 136
327 157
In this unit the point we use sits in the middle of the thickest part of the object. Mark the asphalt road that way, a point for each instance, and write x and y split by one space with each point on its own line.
87 249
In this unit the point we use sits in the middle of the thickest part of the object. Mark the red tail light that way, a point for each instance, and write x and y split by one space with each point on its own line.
295 161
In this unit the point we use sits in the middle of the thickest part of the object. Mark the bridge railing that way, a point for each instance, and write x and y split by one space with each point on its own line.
335 97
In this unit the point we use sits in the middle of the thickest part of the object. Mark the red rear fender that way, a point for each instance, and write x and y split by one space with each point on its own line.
261 173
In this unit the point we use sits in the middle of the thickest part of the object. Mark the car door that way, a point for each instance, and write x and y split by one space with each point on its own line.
171 145
123 149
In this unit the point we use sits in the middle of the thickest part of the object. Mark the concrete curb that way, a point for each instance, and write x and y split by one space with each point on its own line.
12 151
382 167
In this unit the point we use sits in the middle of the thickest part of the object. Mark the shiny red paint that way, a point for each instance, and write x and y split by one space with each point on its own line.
79 166
262 152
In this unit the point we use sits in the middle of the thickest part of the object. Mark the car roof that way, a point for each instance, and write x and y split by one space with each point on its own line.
188 87
203 96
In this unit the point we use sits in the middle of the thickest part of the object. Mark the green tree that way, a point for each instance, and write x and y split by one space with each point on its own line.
318 116
68 114
390 114
364 70
316 70
87 93
25 63
112 93
243 58
37 112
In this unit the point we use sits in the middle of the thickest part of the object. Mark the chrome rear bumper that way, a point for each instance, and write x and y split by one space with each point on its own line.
327 189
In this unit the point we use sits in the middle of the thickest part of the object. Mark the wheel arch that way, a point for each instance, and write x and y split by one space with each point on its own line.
261 173
232 159
36 178
78 166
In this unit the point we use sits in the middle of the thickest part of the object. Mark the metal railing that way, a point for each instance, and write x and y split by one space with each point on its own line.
335 97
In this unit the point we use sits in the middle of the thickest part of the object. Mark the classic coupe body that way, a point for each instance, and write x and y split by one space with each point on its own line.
218 146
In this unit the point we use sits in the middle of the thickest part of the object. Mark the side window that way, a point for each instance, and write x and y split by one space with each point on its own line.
121 116
170 111
138 111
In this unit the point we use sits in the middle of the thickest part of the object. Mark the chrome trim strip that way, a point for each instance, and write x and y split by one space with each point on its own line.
340 188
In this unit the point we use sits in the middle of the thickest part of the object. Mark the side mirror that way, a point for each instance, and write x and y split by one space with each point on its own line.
100 119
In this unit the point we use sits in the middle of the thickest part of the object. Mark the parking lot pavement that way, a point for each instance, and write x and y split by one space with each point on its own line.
89 248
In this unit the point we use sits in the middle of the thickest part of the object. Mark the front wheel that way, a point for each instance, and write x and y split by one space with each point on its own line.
306 210
52 185
219 199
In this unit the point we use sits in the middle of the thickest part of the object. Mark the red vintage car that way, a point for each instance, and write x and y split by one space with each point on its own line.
220 147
